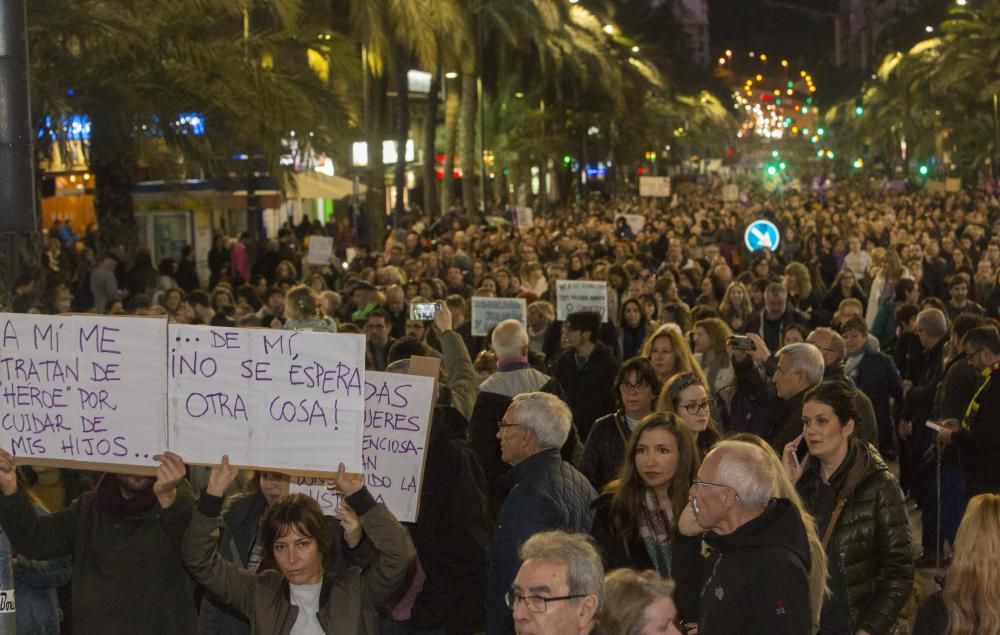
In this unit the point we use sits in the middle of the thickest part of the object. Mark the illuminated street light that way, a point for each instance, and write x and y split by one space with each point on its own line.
451 75
929 28
609 29
635 49
722 61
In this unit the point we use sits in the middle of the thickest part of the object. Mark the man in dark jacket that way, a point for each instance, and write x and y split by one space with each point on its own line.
777 402
978 434
514 376
545 493
757 577
124 539
451 533
586 370
770 322
875 374
831 345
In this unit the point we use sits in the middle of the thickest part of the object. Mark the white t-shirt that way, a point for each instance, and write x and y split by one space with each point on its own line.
306 597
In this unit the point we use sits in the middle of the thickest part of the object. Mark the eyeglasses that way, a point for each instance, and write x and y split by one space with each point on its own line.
694 407
711 484
501 425
634 387
535 603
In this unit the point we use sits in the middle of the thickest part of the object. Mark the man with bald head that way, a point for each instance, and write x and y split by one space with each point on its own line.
398 310
514 376
834 350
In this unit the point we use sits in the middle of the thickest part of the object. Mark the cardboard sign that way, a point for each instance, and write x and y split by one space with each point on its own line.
525 217
952 185
488 312
397 424
730 193
320 250
635 222
79 389
270 399
654 186
581 295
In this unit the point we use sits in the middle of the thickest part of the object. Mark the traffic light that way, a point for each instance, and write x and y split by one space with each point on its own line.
859 163
924 170
567 159
771 170
859 109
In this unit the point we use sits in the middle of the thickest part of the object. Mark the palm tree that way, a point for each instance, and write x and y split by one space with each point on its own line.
135 66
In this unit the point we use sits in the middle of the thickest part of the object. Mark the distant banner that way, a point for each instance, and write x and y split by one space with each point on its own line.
525 217
397 424
581 295
320 250
271 399
654 186
488 312
83 389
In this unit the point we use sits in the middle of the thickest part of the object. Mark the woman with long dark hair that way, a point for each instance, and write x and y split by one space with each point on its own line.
636 516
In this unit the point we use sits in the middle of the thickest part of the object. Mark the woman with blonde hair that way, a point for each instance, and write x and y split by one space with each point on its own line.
969 602
736 307
798 285
710 337
667 350
686 396
638 603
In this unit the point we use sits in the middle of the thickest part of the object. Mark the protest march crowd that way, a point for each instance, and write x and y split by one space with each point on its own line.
733 442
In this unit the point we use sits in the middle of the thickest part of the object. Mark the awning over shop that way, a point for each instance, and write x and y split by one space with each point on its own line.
313 184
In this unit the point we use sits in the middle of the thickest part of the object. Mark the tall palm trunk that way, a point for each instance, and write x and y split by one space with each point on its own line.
374 133
113 161
430 152
451 106
402 131
467 142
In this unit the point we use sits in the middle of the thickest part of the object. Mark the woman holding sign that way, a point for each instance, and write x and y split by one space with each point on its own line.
293 590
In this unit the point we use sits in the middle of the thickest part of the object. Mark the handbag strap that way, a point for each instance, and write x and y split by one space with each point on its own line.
834 517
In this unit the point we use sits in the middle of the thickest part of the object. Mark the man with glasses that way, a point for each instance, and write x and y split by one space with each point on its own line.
777 412
756 580
978 435
545 492
378 326
834 349
559 588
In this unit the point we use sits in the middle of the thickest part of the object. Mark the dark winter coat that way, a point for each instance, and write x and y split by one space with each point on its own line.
870 545
757 579
115 558
617 553
978 440
588 389
878 378
778 420
545 493
495 395
604 451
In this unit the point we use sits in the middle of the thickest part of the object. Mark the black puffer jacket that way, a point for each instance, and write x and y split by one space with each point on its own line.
870 544
604 451
546 493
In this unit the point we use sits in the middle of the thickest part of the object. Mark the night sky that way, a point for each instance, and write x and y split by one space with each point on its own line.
792 29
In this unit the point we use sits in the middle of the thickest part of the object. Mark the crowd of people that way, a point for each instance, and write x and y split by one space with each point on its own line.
735 444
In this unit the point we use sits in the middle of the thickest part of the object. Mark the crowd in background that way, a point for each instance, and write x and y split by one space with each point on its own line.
799 449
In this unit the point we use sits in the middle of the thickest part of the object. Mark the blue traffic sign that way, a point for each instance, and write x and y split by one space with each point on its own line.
762 234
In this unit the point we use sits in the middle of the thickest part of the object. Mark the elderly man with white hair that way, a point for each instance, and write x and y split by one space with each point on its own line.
514 376
545 492
777 400
756 580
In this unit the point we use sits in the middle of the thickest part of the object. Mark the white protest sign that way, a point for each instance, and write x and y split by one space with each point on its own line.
320 250
655 186
730 193
270 399
525 217
397 425
581 295
79 388
635 221
488 312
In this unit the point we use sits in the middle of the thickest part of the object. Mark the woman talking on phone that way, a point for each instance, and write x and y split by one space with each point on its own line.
292 593
860 515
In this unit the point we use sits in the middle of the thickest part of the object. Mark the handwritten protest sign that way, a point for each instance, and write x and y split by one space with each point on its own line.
635 222
320 250
655 186
270 399
83 389
397 423
581 295
525 217
488 312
